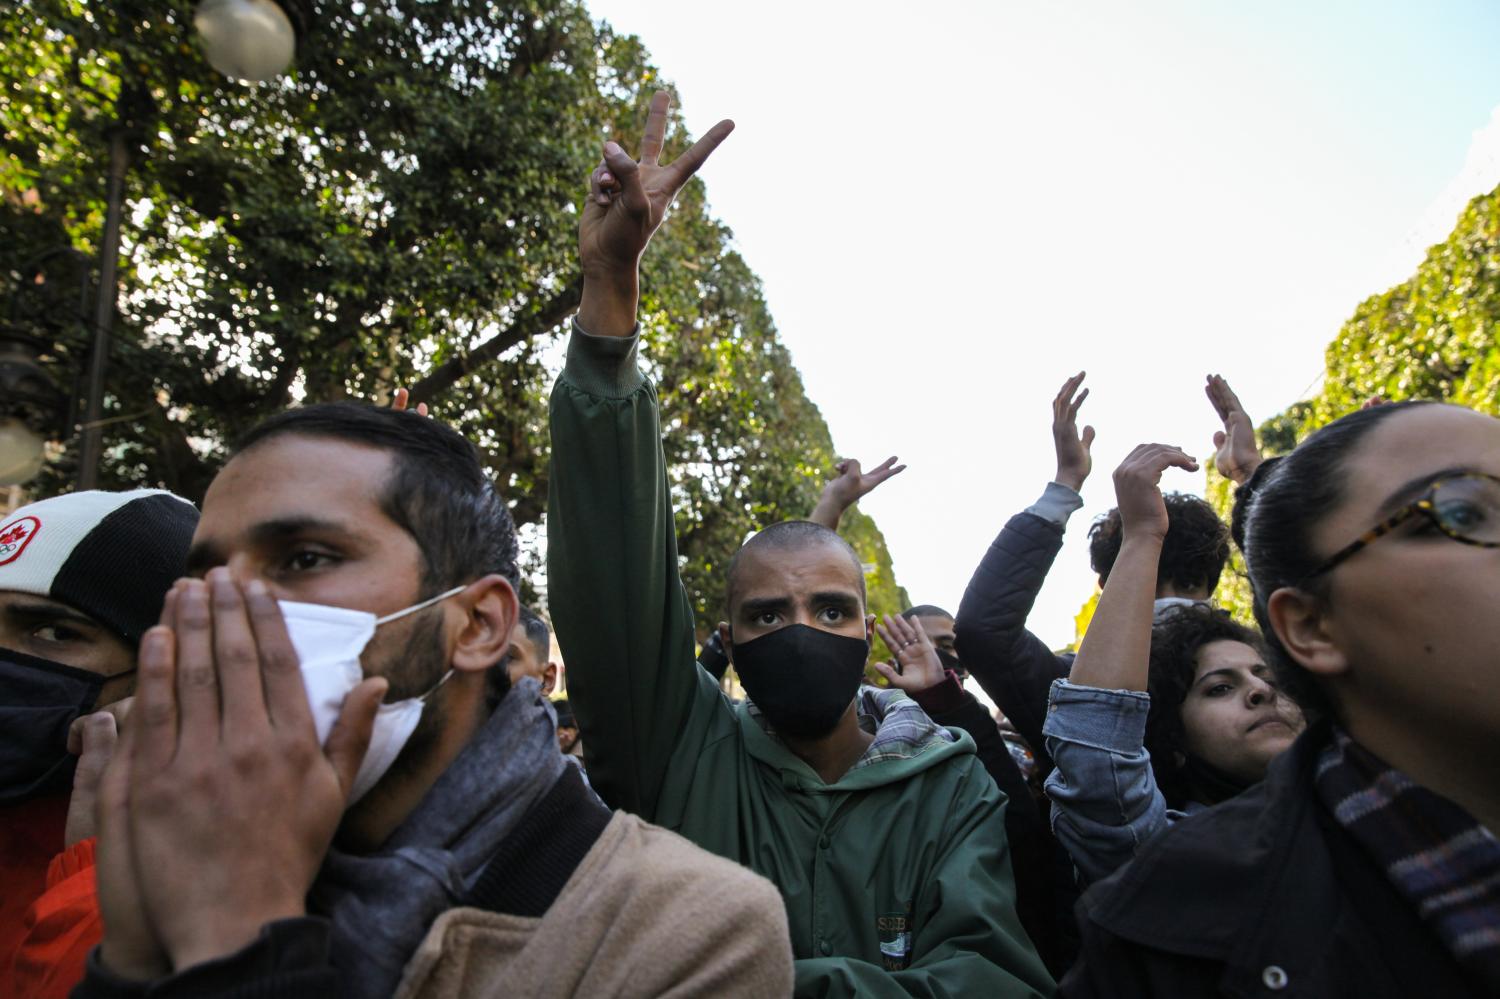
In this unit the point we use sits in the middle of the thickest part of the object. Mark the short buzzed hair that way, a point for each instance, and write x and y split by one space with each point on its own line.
926 610
536 634
792 534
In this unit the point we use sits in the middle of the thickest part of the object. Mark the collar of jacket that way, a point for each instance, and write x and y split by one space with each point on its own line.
532 864
906 743
1272 906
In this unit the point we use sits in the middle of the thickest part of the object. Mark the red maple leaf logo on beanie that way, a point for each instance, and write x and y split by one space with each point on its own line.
15 536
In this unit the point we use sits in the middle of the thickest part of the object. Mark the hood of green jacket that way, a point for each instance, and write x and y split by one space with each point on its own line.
906 742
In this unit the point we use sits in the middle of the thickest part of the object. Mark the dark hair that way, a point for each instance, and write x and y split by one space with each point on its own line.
791 534
926 610
1274 516
1193 554
438 491
564 711
536 633
1175 643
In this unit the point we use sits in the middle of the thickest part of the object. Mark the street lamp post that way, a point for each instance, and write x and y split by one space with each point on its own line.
91 443
251 40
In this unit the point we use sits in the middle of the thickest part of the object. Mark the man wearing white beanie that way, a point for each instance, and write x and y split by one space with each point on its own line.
82 576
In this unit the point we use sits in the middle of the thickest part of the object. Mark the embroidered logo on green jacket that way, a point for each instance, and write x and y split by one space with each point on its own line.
895 940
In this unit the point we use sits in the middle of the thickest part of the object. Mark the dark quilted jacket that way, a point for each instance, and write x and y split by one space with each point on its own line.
1012 665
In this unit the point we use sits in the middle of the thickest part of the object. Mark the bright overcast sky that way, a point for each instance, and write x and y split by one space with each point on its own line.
956 205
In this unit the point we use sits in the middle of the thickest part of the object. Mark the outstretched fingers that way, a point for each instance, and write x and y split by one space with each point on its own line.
1064 397
885 470
656 127
1222 396
698 153
1073 409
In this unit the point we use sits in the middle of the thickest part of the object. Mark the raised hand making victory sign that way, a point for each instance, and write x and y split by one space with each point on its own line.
627 200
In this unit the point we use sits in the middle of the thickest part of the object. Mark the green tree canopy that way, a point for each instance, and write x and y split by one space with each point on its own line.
400 210
1434 336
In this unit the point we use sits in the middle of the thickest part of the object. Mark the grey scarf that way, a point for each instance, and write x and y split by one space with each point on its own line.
382 904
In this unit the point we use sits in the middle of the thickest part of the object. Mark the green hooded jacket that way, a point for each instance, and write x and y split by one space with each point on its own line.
896 877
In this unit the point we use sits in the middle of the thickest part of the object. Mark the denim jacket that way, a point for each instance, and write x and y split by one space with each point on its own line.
1105 802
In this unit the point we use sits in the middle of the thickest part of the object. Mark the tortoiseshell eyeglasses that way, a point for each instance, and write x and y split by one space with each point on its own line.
1464 507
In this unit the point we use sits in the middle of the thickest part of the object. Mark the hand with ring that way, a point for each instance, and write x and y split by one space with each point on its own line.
917 666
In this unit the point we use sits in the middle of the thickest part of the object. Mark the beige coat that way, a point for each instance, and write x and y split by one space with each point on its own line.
645 914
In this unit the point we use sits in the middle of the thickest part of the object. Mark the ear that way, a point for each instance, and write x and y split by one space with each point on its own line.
869 627
1300 624
490 613
549 679
726 641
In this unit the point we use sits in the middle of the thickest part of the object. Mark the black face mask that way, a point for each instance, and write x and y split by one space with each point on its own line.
950 661
38 701
801 678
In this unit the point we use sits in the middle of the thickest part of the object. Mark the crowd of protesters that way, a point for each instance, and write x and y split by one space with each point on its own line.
300 741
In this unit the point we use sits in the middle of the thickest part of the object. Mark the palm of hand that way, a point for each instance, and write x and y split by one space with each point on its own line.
614 235
628 198
1236 449
853 482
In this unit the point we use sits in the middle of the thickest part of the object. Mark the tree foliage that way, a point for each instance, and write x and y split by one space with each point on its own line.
1434 336
400 210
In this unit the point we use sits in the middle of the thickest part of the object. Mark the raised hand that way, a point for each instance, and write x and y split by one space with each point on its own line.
846 489
225 802
913 650
1074 460
1237 456
403 396
1142 511
627 200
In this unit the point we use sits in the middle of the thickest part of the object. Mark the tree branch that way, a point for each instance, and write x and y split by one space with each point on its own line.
450 372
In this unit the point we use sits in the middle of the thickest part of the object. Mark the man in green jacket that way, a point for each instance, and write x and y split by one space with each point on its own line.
882 830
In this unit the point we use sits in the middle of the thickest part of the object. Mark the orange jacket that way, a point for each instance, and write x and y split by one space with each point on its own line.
49 912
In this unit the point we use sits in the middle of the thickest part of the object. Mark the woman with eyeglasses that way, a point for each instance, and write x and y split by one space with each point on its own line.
1365 864
1163 713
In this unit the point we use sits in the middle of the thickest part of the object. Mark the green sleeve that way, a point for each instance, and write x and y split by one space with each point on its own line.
968 939
622 617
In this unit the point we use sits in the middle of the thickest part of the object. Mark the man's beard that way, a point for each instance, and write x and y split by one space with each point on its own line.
412 671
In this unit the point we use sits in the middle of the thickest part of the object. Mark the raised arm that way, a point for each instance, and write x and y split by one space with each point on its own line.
846 489
1014 666
1103 789
622 617
1117 648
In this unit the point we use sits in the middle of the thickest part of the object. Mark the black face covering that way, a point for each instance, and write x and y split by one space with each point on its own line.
950 661
801 678
38 701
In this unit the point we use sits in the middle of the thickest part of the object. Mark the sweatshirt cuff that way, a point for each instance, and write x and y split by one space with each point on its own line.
1111 720
1057 504
76 858
603 366
288 960
941 697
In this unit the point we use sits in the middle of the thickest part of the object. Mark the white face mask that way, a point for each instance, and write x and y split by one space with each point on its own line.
329 641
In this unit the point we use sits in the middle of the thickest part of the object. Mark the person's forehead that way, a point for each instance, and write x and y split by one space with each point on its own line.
796 570
292 478
1416 443
934 623
1225 653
